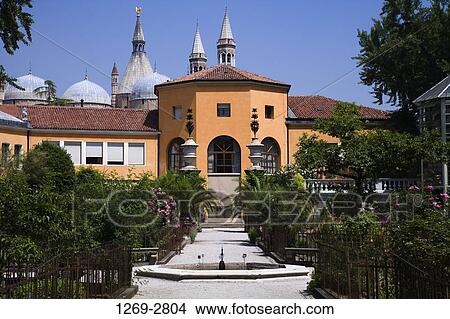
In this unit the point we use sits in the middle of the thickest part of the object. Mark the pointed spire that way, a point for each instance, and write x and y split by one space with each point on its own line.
226 32
114 70
155 69
197 46
138 33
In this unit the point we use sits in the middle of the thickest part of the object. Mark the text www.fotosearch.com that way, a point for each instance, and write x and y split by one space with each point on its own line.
245 309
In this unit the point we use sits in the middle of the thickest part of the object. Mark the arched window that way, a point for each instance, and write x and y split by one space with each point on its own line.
195 69
224 155
229 58
271 155
223 57
200 68
175 154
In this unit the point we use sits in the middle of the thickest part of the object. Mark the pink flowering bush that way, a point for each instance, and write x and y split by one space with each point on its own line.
165 206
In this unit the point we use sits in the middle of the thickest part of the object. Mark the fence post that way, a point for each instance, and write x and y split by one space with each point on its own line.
349 276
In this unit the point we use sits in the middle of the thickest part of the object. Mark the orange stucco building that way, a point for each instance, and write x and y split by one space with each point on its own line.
221 98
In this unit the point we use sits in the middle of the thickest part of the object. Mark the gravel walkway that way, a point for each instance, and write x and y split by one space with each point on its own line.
209 243
235 243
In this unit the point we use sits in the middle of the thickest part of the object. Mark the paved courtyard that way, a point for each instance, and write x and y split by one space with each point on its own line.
209 243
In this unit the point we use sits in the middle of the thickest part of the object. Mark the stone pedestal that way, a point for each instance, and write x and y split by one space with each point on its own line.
189 155
255 148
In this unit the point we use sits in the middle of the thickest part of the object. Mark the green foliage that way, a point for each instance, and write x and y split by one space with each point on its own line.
274 198
48 165
344 122
48 91
364 155
252 235
15 27
406 50
312 155
193 235
425 239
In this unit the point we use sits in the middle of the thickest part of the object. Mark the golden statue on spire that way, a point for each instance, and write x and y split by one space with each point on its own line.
138 11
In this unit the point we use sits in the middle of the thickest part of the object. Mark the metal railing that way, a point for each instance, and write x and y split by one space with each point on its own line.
98 273
380 185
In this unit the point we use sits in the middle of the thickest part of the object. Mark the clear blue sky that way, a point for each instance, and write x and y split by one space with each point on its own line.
308 44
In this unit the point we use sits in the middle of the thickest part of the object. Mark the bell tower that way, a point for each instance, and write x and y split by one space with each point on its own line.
197 59
114 84
226 46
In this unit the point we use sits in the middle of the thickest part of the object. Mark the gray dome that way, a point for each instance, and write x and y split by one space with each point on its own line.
145 87
89 92
30 83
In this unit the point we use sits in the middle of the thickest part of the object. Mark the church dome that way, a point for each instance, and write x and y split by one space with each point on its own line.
89 92
145 87
30 83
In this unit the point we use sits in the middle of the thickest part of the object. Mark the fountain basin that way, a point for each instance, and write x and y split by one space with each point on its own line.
188 272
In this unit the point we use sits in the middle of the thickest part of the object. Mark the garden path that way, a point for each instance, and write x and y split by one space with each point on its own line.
209 243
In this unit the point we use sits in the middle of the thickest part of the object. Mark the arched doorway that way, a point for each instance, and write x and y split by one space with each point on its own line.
224 156
175 154
271 155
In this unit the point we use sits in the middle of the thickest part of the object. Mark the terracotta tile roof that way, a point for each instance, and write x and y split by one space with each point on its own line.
224 72
90 119
316 106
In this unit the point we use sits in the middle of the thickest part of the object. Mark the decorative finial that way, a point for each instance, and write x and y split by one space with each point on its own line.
190 122
156 68
254 124
86 74
29 67
138 11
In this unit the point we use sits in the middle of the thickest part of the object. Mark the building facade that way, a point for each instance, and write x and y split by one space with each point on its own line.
141 126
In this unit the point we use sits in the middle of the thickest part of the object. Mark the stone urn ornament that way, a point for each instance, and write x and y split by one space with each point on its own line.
189 147
255 147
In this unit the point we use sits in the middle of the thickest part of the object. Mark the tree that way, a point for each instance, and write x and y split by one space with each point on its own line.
48 165
344 123
15 28
48 90
363 155
406 51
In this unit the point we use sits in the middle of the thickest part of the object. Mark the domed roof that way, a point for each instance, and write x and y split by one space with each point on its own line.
89 92
145 87
30 83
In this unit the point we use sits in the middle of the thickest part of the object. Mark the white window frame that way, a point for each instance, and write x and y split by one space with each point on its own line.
144 159
125 154
86 153
82 152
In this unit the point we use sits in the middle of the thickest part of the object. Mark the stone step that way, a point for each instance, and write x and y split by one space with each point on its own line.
222 225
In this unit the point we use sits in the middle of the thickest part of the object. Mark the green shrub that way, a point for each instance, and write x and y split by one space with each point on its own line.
193 235
48 165
252 235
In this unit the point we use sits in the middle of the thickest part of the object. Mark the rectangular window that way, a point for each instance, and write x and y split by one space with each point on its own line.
177 112
223 110
115 153
6 154
17 152
74 150
269 111
136 153
94 153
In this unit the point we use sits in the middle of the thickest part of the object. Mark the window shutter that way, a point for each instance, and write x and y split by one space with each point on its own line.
136 153
115 152
94 149
74 150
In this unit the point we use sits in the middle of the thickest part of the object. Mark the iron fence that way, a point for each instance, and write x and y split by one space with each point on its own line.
97 273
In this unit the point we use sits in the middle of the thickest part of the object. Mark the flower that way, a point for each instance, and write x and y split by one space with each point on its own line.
444 195
413 188
428 187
